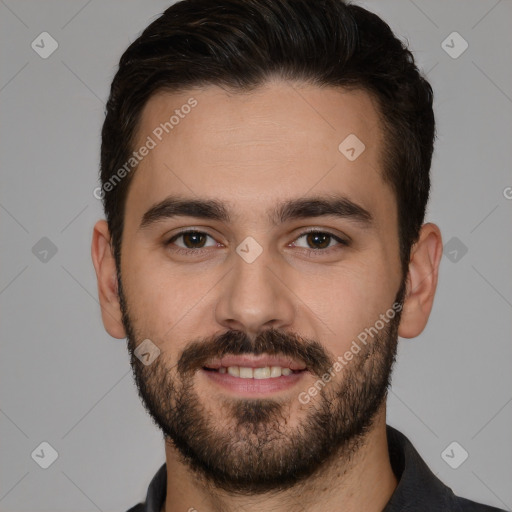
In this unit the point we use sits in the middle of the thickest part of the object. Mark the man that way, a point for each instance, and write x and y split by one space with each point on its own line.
265 172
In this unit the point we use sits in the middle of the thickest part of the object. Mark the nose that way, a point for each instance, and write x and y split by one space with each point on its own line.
254 297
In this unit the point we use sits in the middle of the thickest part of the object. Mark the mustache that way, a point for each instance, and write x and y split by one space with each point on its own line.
271 342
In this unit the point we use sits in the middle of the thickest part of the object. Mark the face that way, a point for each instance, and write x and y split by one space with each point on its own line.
256 250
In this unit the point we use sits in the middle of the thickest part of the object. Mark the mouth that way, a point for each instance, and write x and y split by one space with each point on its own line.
254 375
261 372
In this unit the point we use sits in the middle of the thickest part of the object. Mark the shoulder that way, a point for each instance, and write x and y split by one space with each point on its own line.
418 488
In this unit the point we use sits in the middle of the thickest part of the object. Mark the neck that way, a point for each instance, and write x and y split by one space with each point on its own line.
365 482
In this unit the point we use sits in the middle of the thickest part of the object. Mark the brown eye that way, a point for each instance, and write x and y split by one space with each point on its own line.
194 240
318 240
191 240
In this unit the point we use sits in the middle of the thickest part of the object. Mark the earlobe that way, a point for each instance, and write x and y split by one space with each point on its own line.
106 275
421 281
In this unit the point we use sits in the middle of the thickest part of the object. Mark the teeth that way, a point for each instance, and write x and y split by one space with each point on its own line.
275 371
266 372
234 370
261 373
246 373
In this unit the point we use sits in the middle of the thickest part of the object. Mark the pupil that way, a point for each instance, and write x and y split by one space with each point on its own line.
194 237
313 239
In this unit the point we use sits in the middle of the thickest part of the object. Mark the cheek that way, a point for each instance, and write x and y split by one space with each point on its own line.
159 314
163 300
347 301
159 303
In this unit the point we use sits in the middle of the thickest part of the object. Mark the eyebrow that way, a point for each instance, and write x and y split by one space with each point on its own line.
301 208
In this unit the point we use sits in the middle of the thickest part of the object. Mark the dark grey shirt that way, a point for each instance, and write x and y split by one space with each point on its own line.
418 490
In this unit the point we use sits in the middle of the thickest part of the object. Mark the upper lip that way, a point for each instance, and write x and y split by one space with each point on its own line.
250 361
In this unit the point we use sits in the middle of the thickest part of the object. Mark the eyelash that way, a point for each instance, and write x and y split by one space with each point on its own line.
310 252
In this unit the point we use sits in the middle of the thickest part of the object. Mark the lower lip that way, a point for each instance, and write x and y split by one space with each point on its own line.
254 387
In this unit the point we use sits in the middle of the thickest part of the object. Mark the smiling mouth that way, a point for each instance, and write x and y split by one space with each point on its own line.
246 372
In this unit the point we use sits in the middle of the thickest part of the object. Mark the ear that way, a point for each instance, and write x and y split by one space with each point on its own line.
105 266
421 281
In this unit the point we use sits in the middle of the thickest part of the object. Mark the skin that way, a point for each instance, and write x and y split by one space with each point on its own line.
252 151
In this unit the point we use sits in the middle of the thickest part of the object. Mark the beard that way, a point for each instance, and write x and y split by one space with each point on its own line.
245 445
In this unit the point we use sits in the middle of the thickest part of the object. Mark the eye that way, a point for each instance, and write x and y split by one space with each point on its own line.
319 240
191 240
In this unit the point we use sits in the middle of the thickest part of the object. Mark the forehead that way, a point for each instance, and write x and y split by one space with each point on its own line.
252 148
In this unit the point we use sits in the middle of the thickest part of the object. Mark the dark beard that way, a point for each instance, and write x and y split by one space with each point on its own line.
257 453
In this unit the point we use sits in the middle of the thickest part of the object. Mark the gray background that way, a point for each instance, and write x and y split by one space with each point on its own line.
66 382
